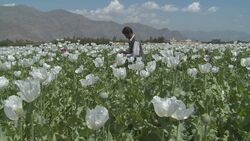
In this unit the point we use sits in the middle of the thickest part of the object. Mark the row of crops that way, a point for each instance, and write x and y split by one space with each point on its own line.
72 92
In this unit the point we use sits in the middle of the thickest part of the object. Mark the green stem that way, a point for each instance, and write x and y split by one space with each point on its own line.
32 127
206 98
162 138
29 129
174 81
42 107
76 87
177 132
21 129
108 132
161 78
31 121
205 133
95 136
103 133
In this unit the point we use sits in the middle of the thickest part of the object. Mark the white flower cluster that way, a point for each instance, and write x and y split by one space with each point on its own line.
245 62
166 107
29 91
90 79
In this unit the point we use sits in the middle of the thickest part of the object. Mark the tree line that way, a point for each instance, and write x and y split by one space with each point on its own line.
80 40
8 42
219 41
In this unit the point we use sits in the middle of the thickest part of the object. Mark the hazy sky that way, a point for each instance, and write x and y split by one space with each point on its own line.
204 15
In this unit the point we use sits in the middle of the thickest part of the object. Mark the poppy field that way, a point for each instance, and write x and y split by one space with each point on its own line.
74 92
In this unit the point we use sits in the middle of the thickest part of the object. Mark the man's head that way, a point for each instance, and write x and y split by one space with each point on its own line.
127 32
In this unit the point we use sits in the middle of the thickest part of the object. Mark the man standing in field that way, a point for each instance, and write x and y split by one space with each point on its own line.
135 48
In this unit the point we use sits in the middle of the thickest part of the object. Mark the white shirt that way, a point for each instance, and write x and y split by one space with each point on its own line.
136 48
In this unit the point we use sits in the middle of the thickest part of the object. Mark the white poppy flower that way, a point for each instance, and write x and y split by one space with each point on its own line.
50 78
41 62
79 70
119 72
104 95
217 57
167 53
233 59
171 61
97 117
90 79
56 70
192 72
215 69
138 65
13 107
26 62
235 52
245 62
156 57
144 73
164 107
131 59
196 56
46 66
73 57
230 66
4 82
120 59
40 74
29 89
151 66
5 66
181 112
17 73
98 62
205 68
11 58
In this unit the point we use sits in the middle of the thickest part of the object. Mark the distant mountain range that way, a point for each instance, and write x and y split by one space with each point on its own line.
23 22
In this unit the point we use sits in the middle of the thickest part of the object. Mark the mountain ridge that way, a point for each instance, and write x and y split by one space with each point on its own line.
24 22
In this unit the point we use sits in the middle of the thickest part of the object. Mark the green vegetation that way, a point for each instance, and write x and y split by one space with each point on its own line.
84 40
161 39
219 41
8 42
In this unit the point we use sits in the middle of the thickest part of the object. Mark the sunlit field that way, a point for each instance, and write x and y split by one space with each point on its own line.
74 92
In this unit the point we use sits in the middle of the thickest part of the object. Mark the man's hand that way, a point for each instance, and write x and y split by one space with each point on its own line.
123 52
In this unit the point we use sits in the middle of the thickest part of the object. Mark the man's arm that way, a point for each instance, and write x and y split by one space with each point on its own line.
123 52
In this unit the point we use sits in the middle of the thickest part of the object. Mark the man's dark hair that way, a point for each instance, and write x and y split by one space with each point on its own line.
127 30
